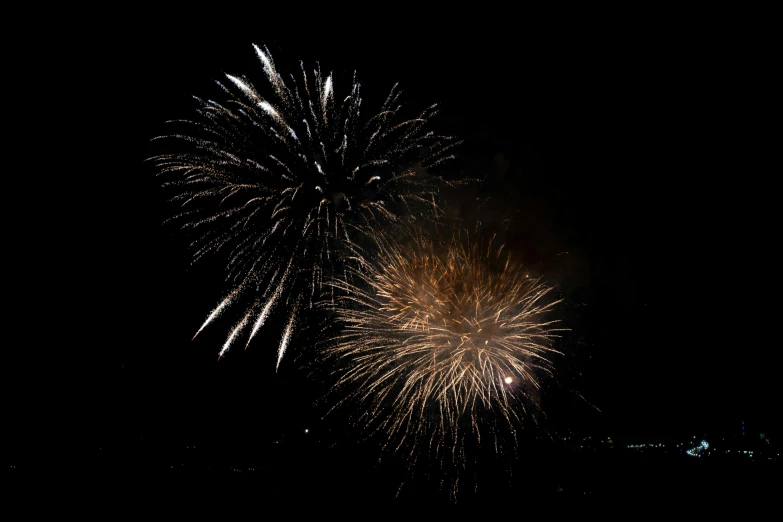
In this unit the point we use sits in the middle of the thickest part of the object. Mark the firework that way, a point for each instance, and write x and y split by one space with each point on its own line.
270 177
439 340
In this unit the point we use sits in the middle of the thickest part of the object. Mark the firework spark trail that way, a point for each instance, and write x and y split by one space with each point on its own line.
286 337
268 179
437 335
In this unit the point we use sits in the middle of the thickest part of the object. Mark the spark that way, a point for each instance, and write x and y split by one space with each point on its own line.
233 334
286 338
261 319
217 311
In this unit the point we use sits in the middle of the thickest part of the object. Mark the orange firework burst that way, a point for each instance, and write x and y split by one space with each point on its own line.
438 336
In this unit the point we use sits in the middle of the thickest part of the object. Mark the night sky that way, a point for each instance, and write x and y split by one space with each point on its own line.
637 151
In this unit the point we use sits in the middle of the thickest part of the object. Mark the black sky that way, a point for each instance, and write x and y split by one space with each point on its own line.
637 150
